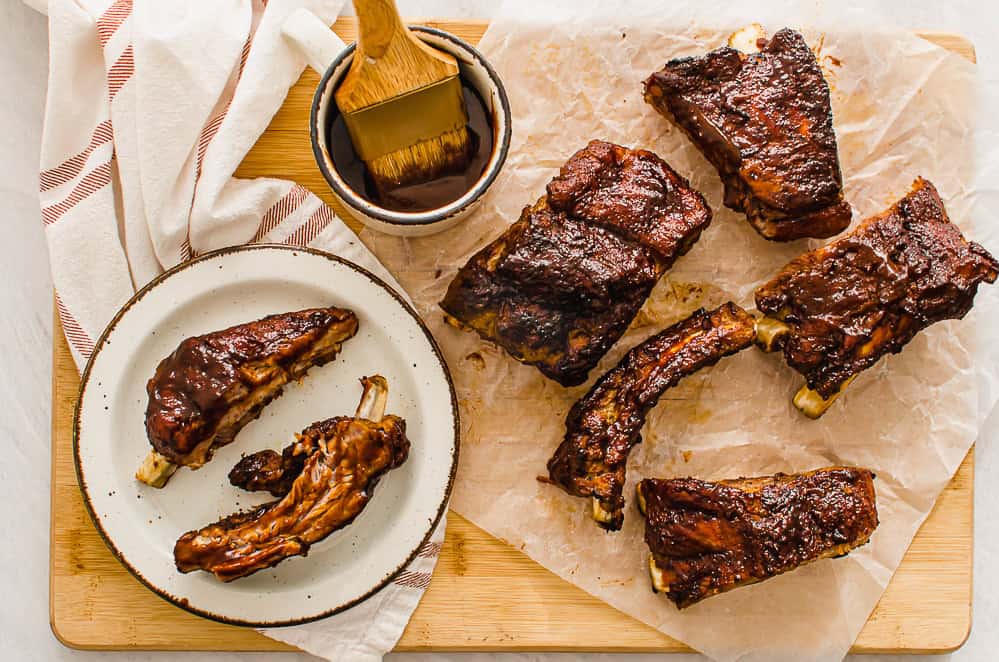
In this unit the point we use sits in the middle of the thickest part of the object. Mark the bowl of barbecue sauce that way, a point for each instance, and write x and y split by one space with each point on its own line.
425 196
427 207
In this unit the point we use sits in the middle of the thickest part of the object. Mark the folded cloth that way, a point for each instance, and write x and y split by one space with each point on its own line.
151 107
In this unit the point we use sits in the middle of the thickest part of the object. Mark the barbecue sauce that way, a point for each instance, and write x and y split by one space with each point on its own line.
428 195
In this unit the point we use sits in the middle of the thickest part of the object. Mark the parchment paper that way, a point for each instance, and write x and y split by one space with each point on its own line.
902 108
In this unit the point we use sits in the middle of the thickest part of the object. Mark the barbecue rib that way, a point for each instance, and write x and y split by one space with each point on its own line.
211 386
333 487
562 284
707 538
764 121
269 471
838 309
606 423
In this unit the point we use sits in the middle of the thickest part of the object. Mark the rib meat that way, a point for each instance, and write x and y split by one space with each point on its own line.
333 487
606 423
562 284
764 121
838 309
707 538
211 386
269 471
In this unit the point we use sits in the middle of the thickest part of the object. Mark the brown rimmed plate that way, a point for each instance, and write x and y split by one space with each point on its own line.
141 524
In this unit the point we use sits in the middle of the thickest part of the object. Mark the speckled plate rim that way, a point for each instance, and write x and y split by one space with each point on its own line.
183 603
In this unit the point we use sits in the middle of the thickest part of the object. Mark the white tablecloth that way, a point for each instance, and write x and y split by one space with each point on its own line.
25 348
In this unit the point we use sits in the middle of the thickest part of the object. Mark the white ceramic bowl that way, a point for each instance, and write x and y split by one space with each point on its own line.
476 71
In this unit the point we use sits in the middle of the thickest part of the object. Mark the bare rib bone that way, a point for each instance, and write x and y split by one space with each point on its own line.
813 405
372 404
770 332
155 470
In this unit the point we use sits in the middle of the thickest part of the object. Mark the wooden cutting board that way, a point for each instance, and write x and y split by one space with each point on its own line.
484 594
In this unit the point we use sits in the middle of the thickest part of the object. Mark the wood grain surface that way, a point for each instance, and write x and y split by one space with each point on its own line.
484 594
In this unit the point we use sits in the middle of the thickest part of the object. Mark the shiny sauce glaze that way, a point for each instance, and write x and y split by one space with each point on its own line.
868 294
334 485
207 376
709 537
427 195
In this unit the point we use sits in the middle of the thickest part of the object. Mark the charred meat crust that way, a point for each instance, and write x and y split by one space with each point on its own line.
213 385
562 284
710 537
634 193
764 121
553 292
604 425
850 302
333 487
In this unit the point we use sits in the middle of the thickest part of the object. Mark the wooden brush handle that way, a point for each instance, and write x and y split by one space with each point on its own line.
378 24
390 60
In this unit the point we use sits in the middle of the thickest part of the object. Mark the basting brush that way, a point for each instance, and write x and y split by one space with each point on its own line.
402 102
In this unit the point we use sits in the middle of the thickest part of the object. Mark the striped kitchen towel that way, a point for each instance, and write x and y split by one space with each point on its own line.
151 107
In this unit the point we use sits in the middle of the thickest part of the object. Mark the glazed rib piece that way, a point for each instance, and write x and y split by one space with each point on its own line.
333 487
562 284
836 310
603 426
553 292
634 193
764 121
707 538
269 471
211 386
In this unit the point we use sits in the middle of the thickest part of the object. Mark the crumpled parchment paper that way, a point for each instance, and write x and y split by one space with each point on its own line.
902 107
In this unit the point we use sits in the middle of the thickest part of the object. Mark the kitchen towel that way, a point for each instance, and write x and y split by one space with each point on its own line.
151 107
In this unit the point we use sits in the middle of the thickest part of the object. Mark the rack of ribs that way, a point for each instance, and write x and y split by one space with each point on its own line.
605 424
211 386
332 487
562 284
710 537
764 121
836 310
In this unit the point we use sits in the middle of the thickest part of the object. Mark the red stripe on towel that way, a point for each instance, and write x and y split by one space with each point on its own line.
409 579
186 252
309 230
70 168
75 334
214 124
111 20
94 181
281 210
430 550
120 72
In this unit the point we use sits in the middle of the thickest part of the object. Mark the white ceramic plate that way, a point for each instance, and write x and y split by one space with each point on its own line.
141 523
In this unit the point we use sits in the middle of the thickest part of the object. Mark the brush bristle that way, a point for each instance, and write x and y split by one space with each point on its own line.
447 154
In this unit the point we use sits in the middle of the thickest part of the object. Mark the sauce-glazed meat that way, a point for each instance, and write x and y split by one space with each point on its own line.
562 284
330 490
764 121
270 471
604 425
838 309
707 538
211 386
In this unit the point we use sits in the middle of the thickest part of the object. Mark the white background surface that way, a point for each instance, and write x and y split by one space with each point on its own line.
25 348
